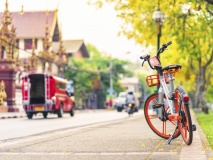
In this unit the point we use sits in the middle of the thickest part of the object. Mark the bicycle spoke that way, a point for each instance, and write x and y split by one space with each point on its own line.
173 122
155 102
185 125
164 128
153 116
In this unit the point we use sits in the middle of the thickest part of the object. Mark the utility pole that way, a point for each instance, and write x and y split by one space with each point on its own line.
111 81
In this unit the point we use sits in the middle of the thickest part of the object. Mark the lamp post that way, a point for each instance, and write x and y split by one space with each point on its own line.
158 18
111 80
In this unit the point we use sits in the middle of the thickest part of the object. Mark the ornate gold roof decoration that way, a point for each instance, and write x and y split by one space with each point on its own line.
3 94
61 56
6 19
47 43
26 65
7 37
17 61
46 53
33 58
22 10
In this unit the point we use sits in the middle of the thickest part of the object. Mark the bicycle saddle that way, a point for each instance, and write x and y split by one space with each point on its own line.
172 68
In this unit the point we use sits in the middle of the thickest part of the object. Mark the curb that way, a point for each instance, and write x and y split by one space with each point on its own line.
10 117
6 115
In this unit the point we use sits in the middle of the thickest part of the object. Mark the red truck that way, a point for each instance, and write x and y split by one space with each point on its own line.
45 93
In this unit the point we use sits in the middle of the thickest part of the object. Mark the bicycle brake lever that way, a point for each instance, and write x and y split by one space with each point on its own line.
143 63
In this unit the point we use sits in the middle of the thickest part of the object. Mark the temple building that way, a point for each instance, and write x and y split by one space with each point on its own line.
31 41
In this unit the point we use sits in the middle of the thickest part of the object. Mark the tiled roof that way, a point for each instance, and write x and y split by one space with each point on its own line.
72 46
32 23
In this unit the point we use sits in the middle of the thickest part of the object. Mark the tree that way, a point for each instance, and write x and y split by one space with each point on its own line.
85 72
192 31
82 81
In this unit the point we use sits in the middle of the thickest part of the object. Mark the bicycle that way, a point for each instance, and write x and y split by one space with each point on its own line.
168 106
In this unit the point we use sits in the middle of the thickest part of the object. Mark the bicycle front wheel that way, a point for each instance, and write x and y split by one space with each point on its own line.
162 128
185 124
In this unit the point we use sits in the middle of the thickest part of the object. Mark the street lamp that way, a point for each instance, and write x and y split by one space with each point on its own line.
158 18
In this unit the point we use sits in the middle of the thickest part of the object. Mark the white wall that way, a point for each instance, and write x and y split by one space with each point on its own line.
28 53
18 101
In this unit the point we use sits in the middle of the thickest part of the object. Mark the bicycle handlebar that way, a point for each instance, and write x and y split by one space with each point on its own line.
164 46
146 57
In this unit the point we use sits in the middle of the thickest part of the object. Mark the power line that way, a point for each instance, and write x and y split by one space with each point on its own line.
68 67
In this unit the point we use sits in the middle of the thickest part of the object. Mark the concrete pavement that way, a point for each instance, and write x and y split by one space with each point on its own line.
200 148
156 147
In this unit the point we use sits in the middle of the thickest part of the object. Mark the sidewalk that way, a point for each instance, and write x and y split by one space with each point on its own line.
7 115
198 150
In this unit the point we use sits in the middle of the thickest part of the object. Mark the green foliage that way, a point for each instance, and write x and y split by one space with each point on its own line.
209 94
84 71
206 123
81 79
191 33
145 89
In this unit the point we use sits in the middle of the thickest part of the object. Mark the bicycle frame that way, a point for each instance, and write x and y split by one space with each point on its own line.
164 90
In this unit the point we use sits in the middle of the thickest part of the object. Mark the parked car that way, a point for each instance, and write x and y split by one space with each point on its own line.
120 101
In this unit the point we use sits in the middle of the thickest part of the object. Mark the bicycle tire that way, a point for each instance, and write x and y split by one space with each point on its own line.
165 128
185 125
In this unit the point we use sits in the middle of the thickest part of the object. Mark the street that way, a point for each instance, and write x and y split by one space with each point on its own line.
89 135
25 127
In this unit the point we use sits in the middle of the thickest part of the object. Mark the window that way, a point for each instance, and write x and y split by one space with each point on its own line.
60 85
17 43
28 43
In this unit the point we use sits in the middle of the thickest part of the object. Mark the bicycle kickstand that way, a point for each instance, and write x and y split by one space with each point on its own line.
170 139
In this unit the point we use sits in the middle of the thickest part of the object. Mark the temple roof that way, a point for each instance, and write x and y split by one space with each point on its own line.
72 47
32 23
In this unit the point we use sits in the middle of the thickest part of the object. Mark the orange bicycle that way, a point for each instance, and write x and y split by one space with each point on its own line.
167 111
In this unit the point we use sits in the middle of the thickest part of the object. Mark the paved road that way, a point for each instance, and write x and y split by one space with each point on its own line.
21 127
124 139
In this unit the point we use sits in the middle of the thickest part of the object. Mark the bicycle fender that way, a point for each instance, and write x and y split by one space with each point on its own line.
184 95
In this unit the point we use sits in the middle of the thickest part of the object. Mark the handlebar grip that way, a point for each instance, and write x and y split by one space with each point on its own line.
170 42
144 56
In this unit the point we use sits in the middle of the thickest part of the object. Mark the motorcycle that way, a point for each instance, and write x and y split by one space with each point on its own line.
130 108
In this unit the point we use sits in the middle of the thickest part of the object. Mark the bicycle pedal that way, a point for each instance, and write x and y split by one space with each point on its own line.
157 106
194 128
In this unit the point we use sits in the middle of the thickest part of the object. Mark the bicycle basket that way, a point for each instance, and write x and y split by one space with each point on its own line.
154 80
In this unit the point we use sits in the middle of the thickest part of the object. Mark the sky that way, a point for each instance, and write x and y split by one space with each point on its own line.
78 20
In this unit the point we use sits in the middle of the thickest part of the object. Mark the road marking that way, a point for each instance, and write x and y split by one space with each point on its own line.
88 153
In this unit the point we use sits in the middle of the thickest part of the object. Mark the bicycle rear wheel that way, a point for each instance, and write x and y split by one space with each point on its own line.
163 129
185 125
